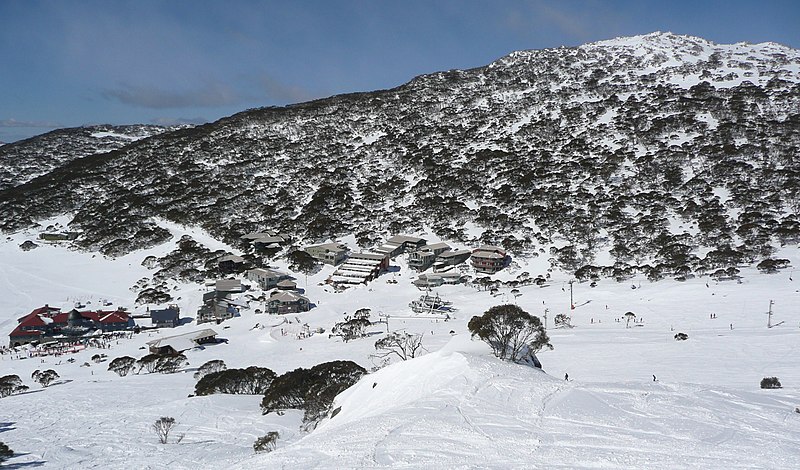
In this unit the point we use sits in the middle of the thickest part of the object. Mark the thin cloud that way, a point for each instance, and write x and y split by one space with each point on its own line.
158 98
281 92
166 121
30 124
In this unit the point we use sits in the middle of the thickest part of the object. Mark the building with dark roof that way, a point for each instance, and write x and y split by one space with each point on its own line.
165 318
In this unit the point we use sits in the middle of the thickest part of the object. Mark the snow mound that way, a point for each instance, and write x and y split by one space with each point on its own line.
452 409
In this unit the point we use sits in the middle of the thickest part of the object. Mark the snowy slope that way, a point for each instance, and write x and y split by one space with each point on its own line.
465 410
455 407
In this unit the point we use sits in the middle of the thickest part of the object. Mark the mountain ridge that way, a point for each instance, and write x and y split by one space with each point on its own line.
567 153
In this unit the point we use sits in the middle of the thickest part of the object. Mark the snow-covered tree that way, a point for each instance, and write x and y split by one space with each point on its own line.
44 378
512 333
11 384
214 365
266 443
5 452
122 365
162 428
401 344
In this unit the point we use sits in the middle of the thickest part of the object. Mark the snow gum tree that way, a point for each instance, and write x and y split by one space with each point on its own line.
401 344
266 443
214 365
513 334
11 384
122 365
44 378
5 452
162 427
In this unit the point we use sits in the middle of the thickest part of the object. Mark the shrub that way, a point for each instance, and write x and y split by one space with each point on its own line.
5 452
11 384
209 367
353 327
122 365
770 382
251 381
404 345
162 428
166 364
312 390
266 443
512 333
44 378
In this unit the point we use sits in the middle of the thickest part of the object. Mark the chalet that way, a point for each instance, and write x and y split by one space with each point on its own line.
234 286
47 322
264 240
405 243
489 259
287 284
165 318
266 278
217 307
287 302
446 260
427 281
423 258
360 268
58 236
328 253
230 264
179 343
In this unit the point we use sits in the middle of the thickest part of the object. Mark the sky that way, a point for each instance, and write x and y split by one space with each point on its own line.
67 64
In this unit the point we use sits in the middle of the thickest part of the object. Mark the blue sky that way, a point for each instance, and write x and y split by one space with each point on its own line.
73 63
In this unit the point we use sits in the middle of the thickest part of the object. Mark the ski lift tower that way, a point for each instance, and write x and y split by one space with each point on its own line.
769 314
571 300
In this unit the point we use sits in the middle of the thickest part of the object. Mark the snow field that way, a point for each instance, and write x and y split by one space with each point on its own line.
456 407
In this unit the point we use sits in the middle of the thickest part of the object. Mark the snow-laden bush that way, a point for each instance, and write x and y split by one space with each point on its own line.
312 390
214 365
250 381
266 443
11 384
770 382
122 365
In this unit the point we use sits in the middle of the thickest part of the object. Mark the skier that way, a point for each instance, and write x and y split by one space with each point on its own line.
654 378
566 377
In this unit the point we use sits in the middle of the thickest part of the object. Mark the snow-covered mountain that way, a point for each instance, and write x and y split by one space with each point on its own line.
643 158
27 159
660 153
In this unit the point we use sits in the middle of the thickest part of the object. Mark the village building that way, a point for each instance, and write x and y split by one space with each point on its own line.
424 258
266 278
287 284
328 253
445 261
489 259
165 318
231 264
281 302
360 268
58 236
405 243
431 280
51 323
233 286
217 307
264 240
184 342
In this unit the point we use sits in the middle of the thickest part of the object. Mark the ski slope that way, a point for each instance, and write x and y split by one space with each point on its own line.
455 407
